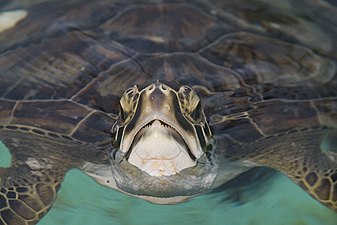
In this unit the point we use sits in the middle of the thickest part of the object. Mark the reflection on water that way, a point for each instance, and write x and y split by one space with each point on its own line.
5 157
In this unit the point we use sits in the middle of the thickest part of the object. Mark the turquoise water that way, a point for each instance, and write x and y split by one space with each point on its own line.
83 202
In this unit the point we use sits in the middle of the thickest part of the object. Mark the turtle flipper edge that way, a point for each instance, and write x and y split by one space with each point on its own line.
27 193
29 186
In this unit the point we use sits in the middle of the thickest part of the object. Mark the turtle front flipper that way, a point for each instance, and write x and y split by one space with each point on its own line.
27 191
28 187
299 156
297 138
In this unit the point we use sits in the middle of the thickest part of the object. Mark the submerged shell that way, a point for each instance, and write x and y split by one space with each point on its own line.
86 56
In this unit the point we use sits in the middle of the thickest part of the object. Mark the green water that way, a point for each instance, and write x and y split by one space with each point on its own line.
83 202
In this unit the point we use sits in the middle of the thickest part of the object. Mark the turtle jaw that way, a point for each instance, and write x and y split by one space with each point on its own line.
163 189
159 150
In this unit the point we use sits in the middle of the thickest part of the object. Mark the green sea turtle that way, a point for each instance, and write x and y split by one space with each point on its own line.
165 100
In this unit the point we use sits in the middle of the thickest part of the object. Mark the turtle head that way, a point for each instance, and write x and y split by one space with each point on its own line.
162 142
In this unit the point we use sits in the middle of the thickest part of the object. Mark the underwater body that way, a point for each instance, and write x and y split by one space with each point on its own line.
82 201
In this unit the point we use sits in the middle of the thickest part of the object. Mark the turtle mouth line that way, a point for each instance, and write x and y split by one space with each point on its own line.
159 150
149 124
171 131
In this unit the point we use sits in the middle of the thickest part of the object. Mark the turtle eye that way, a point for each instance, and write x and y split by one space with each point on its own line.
190 103
197 113
123 114
189 100
128 102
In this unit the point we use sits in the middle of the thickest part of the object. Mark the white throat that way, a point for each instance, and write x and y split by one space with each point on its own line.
158 153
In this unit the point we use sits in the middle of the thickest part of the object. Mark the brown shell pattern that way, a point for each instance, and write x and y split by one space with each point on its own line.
90 53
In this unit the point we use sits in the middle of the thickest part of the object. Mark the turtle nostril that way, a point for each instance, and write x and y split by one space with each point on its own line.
151 87
163 87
